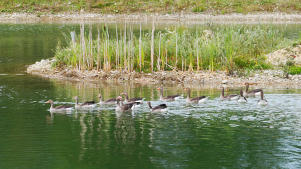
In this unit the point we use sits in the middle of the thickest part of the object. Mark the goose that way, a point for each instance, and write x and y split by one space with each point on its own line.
123 107
87 104
59 108
262 101
159 108
167 98
200 99
228 97
109 101
242 98
252 93
135 99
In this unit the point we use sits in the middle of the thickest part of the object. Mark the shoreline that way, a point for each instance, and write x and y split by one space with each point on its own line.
267 79
187 18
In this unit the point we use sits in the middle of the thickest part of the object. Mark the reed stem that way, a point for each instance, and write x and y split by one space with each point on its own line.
152 46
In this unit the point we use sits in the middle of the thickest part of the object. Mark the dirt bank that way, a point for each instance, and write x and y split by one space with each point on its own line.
264 79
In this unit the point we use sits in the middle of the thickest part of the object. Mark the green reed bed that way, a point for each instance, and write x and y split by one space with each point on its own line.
231 47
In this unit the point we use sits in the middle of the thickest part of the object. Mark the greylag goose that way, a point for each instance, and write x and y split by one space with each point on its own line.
252 93
200 99
242 98
87 104
120 106
59 108
167 98
228 97
109 101
262 101
159 108
135 99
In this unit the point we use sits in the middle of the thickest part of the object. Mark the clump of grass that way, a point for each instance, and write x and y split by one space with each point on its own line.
229 48
295 70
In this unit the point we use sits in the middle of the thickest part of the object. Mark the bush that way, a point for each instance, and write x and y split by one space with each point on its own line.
295 70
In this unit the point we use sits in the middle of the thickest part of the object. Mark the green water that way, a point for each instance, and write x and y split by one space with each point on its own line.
212 135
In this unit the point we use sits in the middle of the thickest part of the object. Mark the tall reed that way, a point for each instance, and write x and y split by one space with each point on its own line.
207 48
152 46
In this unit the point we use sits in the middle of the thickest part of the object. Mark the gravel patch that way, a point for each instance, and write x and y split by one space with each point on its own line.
280 57
206 79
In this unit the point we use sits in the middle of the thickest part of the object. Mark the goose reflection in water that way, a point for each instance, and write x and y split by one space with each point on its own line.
125 132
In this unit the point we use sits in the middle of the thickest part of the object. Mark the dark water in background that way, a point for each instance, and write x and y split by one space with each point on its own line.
212 135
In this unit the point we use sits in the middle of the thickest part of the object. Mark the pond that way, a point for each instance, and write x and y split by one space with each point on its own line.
216 134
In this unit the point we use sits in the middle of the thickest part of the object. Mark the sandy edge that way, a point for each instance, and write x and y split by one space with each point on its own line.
272 79
188 18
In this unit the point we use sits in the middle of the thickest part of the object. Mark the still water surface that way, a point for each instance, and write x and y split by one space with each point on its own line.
212 135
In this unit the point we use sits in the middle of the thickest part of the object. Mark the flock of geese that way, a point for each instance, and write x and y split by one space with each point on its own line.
124 103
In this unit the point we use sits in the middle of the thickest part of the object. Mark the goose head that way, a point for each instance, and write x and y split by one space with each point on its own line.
49 101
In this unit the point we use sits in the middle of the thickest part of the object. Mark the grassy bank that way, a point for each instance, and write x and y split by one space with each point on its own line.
230 48
150 6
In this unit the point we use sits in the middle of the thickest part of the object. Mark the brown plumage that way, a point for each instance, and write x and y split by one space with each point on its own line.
120 106
199 99
135 99
109 101
159 108
58 108
167 98
252 93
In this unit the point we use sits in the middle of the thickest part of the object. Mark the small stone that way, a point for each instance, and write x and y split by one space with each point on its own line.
224 81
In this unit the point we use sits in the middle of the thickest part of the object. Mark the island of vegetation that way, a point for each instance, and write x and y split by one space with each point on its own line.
176 53
211 54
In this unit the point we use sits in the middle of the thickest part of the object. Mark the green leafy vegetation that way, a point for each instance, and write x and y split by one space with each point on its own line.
295 70
149 6
229 48
289 67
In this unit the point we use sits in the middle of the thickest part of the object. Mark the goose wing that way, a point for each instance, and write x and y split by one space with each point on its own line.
198 98
135 99
232 95
88 103
111 100
173 96
161 106
169 98
128 106
255 91
63 107
135 102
